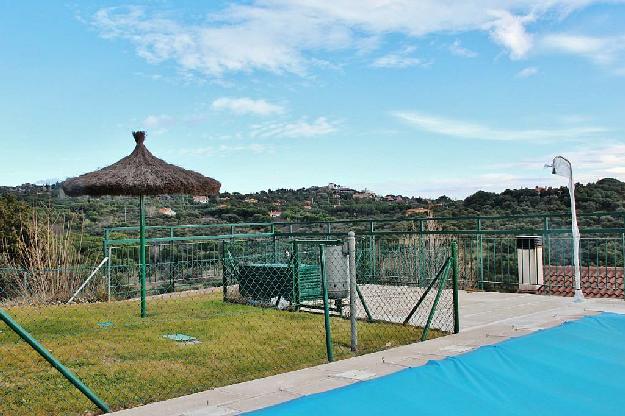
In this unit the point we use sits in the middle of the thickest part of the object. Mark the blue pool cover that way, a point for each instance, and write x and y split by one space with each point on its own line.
577 368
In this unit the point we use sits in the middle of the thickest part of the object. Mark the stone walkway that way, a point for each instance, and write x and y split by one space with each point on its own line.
486 318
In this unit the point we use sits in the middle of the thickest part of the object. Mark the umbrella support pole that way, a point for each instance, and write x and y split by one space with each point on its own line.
142 257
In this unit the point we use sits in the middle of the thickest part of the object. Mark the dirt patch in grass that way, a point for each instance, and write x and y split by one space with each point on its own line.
129 363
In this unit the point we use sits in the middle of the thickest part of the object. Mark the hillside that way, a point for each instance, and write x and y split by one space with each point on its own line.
315 204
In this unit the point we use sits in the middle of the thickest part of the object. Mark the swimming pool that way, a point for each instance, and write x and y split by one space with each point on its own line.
577 368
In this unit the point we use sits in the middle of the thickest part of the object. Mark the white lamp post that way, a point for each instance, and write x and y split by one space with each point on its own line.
562 167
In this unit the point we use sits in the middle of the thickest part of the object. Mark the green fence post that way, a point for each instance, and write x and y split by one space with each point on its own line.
480 253
372 259
441 286
42 351
224 270
275 243
547 248
454 259
353 290
142 257
326 303
172 278
295 295
107 253
422 272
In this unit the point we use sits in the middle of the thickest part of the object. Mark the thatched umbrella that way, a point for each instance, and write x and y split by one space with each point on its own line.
141 174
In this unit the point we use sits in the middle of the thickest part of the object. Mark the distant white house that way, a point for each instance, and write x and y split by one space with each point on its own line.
338 188
200 199
275 214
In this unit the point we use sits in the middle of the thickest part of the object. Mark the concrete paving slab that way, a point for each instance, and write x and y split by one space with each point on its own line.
211 411
321 385
356 375
258 402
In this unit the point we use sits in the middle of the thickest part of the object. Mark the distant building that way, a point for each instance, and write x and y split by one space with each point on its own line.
394 198
364 195
275 214
251 200
338 188
200 199
417 211
168 212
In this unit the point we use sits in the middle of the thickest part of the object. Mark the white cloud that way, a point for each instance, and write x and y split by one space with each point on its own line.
590 163
468 130
301 128
279 35
509 31
530 71
457 49
158 121
608 51
400 59
158 124
223 149
246 105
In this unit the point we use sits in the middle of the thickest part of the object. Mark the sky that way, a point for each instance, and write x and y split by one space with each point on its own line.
416 98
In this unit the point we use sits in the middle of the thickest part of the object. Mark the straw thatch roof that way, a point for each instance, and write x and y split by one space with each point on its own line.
141 173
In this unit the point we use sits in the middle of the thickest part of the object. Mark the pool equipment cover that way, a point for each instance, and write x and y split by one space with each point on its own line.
576 368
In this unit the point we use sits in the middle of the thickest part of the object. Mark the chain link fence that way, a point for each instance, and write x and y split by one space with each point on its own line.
220 311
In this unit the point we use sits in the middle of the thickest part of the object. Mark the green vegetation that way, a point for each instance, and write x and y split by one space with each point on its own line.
87 217
309 204
130 363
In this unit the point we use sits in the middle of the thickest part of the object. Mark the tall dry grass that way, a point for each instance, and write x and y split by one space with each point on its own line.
49 265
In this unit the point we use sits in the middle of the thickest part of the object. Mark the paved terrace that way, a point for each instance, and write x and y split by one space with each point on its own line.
486 318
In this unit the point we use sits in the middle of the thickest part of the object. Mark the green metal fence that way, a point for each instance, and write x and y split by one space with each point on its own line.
276 316
221 309
488 252
487 247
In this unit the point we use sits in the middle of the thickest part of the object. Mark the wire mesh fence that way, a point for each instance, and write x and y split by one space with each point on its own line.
222 309
220 312
499 262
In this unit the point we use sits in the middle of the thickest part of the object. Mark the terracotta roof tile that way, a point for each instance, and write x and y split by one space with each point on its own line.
597 282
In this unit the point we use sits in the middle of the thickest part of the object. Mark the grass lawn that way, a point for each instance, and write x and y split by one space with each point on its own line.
130 363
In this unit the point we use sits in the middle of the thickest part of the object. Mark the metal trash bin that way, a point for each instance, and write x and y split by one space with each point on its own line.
530 262
337 272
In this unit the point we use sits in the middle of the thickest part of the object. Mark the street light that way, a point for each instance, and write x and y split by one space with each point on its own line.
562 167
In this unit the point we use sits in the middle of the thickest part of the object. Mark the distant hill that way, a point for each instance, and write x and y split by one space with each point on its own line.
316 203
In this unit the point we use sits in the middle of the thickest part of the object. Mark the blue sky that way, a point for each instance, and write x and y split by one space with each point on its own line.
420 98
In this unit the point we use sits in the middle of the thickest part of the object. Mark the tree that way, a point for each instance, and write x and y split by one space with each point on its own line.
14 220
